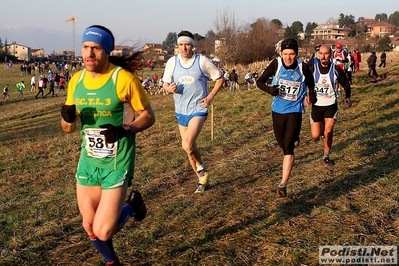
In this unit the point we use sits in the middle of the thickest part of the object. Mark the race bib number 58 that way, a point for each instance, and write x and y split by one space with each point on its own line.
96 146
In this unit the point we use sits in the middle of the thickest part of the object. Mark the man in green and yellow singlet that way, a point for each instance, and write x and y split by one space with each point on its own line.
105 97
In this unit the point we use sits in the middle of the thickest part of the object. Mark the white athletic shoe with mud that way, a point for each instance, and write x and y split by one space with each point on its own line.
203 181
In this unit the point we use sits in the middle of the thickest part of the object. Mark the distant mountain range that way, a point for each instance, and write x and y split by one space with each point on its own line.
37 38
52 41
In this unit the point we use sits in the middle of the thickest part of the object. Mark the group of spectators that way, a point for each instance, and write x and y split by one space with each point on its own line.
350 61
34 67
55 81
372 63
231 79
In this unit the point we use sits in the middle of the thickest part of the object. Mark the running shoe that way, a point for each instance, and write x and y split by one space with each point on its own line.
115 263
282 190
199 189
203 181
139 209
327 161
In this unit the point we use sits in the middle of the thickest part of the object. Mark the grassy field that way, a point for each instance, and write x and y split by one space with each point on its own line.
239 220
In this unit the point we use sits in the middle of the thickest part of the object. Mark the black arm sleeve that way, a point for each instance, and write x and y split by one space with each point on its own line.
311 64
344 82
309 79
269 72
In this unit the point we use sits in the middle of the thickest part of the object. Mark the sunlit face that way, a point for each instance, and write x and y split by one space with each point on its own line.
185 50
324 55
94 57
288 56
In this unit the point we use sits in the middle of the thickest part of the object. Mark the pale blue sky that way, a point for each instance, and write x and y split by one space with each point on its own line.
131 20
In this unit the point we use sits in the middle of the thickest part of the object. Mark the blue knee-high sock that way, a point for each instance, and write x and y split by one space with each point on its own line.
105 248
126 213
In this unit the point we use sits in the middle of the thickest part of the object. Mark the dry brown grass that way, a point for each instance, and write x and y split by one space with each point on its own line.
239 220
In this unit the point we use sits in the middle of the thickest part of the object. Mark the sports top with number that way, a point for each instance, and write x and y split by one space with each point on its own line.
108 99
339 58
292 89
325 88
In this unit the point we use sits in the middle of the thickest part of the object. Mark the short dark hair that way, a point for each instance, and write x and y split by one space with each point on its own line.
185 33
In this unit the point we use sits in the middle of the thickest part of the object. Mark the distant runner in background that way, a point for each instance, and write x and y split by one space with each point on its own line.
62 87
248 78
372 64
383 59
340 56
20 86
6 94
40 85
33 83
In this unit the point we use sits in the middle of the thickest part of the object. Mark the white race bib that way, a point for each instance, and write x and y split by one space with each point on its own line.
323 90
289 90
96 146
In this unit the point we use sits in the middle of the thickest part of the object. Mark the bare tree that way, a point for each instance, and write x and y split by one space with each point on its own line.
206 46
259 42
227 31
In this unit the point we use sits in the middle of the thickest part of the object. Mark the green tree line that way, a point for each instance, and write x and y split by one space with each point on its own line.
4 51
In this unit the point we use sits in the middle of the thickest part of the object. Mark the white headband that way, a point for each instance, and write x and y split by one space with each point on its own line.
185 39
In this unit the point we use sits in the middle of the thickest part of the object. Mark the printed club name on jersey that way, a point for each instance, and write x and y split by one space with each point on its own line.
94 102
184 80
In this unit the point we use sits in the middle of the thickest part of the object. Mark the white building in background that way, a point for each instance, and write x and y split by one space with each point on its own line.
22 52
330 32
154 51
219 44
121 50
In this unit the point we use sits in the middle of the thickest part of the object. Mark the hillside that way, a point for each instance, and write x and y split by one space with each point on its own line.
240 220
